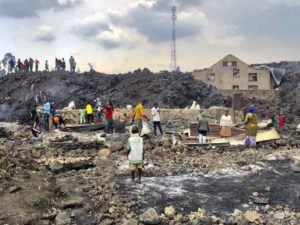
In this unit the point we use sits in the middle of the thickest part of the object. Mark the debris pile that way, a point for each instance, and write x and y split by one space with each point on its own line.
174 90
82 178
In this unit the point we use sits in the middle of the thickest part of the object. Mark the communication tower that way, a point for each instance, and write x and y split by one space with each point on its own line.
173 44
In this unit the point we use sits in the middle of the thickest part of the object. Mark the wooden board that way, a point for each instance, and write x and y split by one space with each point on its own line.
214 130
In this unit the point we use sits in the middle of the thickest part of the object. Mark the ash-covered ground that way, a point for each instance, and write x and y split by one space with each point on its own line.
82 178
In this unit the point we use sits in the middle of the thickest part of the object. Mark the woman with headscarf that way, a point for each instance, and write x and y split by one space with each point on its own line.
250 123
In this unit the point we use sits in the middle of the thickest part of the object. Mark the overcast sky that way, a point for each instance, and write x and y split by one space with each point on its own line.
122 35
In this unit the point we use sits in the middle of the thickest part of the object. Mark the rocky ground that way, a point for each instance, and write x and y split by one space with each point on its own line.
70 178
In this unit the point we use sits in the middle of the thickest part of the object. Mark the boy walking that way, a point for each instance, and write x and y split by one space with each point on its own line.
135 154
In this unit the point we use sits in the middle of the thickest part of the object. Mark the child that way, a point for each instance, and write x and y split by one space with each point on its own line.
82 116
281 122
135 154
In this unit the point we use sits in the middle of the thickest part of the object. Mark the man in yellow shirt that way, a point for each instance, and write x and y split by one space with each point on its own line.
138 115
89 113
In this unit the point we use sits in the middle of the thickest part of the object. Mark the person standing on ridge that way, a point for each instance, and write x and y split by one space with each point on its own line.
91 68
19 65
31 64
56 64
47 66
26 64
155 112
71 60
63 64
37 62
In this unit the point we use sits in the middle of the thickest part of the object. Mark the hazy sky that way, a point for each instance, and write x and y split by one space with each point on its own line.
122 35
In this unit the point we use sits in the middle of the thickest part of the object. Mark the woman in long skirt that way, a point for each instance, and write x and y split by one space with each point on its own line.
226 124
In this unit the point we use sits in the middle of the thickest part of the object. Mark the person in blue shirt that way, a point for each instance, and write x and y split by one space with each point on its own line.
47 111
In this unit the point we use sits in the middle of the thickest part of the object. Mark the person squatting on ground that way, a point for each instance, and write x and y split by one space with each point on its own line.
203 129
47 111
109 117
226 124
155 112
250 123
58 121
89 113
139 115
34 122
135 154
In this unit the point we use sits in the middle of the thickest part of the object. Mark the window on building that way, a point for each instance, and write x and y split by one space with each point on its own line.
210 77
252 76
236 73
253 87
229 64
235 87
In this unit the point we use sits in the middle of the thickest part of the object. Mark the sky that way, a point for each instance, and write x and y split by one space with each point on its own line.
118 36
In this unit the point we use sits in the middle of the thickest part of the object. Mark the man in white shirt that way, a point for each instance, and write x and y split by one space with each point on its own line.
155 112
135 153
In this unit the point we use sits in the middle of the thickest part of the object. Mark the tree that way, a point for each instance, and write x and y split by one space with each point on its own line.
8 56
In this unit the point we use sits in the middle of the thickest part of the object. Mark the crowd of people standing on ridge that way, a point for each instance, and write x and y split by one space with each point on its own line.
31 65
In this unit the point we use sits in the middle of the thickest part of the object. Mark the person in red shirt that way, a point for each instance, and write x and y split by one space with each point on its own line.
281 121
109 117
37 62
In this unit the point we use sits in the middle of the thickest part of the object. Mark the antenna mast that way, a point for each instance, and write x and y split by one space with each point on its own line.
173 45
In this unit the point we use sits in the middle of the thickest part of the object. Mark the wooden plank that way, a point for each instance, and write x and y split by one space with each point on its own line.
214 130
